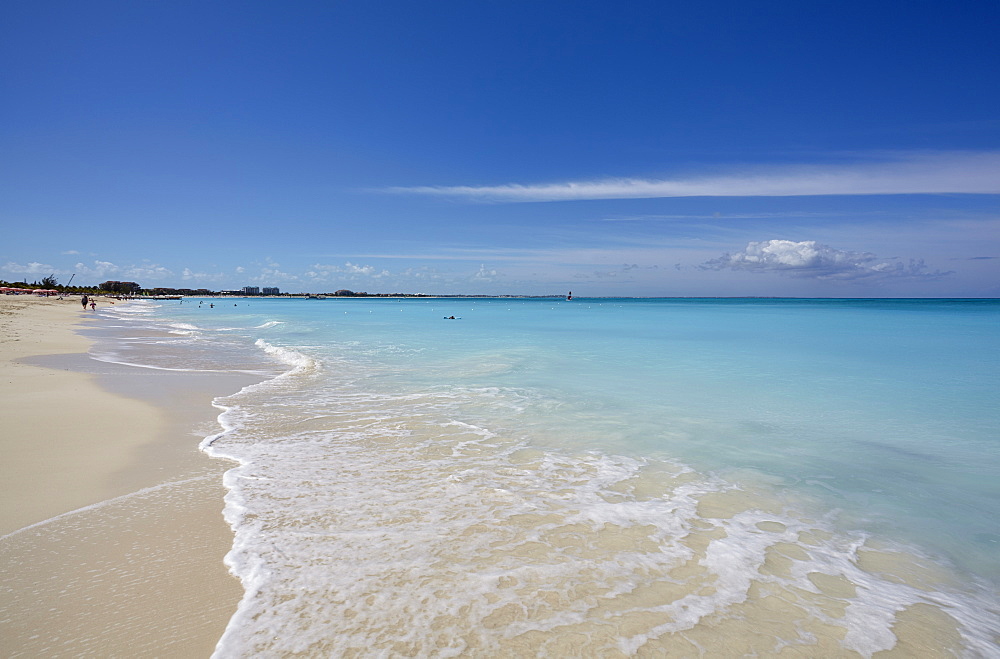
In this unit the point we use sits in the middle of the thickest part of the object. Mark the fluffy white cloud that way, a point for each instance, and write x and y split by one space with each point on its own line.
485 275
269 273
349 271
107 269
355 269
808 258
919 173
32 268
143 272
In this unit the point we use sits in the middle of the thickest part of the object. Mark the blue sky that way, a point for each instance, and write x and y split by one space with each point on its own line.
640 148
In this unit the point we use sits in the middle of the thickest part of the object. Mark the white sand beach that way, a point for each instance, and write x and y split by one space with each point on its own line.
110 517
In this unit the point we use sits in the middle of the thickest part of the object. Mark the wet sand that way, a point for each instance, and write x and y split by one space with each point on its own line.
111 531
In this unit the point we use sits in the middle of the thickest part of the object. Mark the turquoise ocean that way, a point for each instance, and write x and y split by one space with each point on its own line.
601 477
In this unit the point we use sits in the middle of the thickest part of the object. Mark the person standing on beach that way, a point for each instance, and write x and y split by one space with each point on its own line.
84 302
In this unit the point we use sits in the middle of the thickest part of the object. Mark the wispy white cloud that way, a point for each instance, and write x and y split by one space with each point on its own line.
912 173
144 272
810 259
267 273
707 217
96 270
148 271
625 273
190 275
424 275
457 254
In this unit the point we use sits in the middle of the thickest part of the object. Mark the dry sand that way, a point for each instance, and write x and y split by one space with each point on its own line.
111 533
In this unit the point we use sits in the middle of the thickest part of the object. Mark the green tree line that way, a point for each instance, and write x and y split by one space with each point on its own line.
50 282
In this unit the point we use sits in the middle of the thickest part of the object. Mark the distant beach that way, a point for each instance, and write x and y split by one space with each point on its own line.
110 518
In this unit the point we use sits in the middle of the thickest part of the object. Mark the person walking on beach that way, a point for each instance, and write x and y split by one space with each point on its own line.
84 302
93 304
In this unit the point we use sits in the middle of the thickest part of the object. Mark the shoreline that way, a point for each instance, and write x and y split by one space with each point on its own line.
110 516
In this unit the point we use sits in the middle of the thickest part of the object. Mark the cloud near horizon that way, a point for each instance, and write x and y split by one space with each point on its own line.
920 173
99 270
351 271
810 259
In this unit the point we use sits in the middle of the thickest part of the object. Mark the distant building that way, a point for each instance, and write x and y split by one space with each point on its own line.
271 290
251 290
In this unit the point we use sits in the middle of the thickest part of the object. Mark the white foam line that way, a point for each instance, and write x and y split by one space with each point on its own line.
100 504
178 370
223 420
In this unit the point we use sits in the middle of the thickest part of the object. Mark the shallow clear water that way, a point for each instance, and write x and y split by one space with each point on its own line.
599 476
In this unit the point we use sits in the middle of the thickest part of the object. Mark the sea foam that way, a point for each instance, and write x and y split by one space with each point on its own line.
704 479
